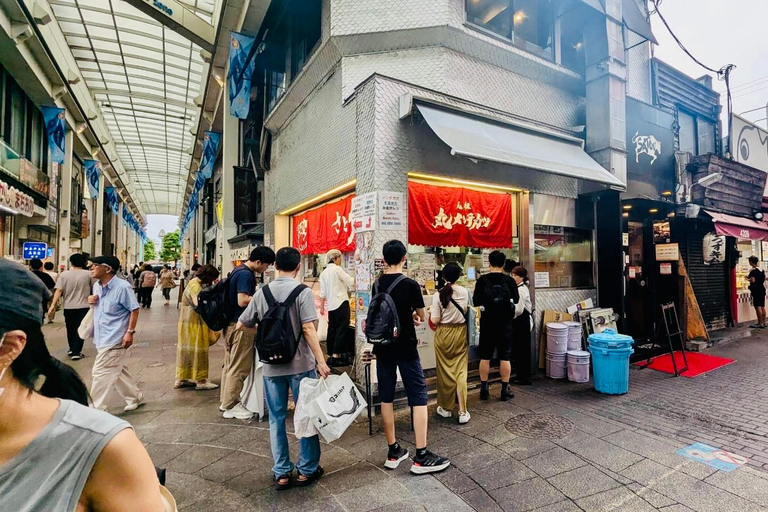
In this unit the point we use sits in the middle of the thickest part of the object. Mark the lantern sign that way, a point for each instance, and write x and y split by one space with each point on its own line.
713 248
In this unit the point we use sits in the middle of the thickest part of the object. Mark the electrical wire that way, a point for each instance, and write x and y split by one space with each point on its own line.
723 74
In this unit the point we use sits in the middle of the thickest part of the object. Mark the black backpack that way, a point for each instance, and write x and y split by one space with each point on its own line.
213 304
497 299
276 341
382 326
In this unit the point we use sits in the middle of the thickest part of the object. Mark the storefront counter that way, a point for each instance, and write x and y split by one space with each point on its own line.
745 311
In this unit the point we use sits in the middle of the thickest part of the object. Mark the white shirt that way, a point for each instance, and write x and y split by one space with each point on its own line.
524 304
450 315
334 283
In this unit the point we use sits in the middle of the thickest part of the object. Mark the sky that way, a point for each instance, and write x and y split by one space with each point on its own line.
157 223
719 32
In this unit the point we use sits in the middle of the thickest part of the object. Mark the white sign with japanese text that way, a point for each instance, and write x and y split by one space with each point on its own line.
363 214
714 248
541 280
391 211
667 252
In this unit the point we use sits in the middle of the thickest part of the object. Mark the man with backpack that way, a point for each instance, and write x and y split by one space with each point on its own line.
497 293
238 345
288 345
396 307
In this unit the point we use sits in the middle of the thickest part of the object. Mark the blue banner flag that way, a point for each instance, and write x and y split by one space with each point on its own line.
199 182
55 127
210 150
93 175
113 199
240 74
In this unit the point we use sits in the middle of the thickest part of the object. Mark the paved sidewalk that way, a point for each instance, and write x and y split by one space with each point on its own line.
557 446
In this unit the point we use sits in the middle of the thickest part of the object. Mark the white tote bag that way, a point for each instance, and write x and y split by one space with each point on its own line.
339 404
85 331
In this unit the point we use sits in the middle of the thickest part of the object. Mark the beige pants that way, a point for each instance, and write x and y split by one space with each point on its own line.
111 373
238 360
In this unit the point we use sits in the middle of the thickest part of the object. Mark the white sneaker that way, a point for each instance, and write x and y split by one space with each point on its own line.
135 405
222 408
442 412
464 417
238 412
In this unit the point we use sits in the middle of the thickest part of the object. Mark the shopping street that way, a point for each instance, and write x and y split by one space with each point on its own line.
597 452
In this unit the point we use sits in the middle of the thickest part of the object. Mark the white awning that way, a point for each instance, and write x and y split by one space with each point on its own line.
482 139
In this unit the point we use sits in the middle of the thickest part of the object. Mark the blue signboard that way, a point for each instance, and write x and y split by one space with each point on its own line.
32 250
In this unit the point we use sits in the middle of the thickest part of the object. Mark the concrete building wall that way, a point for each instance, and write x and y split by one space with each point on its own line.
356 16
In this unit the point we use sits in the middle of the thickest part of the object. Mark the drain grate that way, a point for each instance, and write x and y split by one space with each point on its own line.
539 426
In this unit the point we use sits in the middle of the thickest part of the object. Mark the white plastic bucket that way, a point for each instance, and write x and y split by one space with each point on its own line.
556 366
578 365
574 335
557 344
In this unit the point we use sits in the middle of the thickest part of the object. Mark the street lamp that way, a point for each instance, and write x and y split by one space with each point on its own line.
692 210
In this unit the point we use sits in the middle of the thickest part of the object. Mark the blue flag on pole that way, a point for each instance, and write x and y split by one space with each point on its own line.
113 200
199 182
93 175
240 74
210 150
55 127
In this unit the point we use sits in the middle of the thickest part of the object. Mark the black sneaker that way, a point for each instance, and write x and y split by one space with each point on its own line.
429 463
395 458
76 357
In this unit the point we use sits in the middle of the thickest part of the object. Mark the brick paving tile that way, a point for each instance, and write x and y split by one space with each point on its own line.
622 451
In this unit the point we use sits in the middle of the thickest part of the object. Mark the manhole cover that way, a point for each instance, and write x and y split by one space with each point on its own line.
539 426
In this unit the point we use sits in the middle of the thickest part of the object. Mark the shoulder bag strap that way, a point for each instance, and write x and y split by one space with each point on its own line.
395 283
269 297
288 302
463 313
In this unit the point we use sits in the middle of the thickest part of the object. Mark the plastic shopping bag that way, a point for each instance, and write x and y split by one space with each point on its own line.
309 390
85 331
336 407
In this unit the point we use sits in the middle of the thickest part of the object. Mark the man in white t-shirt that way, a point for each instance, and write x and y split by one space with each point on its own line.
334 286
75 286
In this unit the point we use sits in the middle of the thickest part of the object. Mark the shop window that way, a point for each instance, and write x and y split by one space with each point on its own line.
697 135
425 264
15 104
572 45
527 23
305 33
563 257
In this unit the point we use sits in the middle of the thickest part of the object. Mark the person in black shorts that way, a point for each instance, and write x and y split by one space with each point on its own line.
498 294
757 289
402 354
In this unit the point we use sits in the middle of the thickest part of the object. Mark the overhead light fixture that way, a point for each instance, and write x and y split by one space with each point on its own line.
578 46
95 151
519 16
625 214
671 215
759 215
627 206
666 193
218 75
653 210
80 127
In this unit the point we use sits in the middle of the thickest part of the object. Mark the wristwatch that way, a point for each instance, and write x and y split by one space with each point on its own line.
131 331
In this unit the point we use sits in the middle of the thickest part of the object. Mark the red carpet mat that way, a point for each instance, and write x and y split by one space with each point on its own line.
698 363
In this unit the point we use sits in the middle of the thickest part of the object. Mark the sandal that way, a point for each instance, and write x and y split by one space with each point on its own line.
179 384
310 479
287 482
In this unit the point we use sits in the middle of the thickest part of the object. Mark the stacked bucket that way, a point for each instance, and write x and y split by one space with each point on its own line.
564 355
577 360
557 347
610 361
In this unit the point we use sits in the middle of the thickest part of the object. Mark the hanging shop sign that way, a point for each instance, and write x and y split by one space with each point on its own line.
363 214
447 216
16 201
32 250
391 211
714 248
650 144
328 227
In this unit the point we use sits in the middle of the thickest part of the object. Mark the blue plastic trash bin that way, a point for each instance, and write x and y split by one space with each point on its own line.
610 369
609 338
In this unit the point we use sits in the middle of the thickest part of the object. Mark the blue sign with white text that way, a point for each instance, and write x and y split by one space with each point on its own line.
32 250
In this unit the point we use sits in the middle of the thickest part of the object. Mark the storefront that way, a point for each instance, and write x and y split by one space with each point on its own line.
13 203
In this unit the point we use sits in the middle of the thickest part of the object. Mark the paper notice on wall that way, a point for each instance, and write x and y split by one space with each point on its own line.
625 239
541 280
665 269
363 214
391 211
427 261
632 272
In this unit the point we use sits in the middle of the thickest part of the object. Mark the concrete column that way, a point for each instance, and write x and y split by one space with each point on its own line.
65 201
230 144
120 243
98 219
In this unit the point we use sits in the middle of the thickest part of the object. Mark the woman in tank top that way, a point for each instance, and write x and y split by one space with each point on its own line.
56 454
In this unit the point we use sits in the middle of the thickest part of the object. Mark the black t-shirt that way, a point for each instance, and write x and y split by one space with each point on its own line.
478 298
408 298
45 278
242 280
759 284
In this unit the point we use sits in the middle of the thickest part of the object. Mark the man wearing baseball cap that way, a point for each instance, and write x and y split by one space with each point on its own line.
115 313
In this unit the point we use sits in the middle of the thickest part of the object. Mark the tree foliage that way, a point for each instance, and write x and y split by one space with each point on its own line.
149 251
171 250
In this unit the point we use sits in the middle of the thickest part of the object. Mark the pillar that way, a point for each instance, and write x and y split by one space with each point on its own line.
65 201
120 240
230 143
98 219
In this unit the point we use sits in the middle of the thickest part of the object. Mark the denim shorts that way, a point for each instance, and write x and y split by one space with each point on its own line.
413 380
